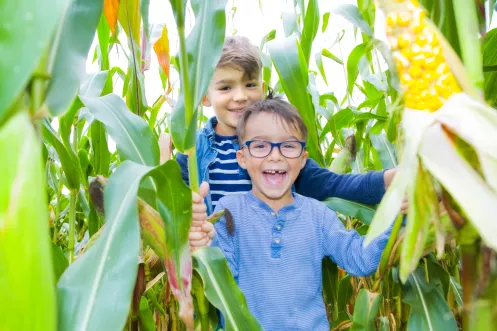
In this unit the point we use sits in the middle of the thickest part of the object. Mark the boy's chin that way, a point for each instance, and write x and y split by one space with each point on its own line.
276 193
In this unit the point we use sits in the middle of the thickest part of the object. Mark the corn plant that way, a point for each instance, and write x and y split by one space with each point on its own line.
91 269
95 237
423 73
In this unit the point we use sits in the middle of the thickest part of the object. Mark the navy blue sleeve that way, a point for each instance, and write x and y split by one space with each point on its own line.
182 159
320 183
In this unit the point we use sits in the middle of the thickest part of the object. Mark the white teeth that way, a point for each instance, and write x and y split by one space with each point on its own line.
275 171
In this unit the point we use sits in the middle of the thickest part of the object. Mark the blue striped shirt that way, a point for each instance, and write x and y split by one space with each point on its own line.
224 178
276 259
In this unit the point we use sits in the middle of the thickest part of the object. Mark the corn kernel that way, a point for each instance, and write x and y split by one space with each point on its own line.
421 40
403 41
391 19
418 60
414 71
407 52
400 60
428 76
411 104
431 63
403 19
434 40
418 27
443 68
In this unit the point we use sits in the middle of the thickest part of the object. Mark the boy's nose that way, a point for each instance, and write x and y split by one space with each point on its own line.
240 95
275 154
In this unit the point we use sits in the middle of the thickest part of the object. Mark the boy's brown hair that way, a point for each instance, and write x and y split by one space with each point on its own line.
239 53
277 106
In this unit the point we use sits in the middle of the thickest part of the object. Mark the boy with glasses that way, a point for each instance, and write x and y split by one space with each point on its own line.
236 84
281 237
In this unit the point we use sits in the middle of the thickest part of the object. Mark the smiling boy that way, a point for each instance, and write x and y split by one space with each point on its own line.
281 237
236 84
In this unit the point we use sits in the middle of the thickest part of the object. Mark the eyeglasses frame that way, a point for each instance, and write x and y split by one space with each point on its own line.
248 142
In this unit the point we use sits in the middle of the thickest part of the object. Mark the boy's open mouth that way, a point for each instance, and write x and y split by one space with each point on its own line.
274 177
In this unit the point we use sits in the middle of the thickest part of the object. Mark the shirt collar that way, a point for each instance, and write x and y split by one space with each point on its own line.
286 212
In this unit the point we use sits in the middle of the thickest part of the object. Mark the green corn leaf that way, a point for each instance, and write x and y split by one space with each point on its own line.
365 310
27 298
60 262
179 10
289 23
326 18
490 59
130 18
27 27
422 209
330 284
68 158
103 33
429 310
145 316
73 43
134 139
329 55
290 64
85 287
445 163
352 14
353 65
210 27
135 96
386 150
100 152
311 24
415 125
345 292
222 291
362 212
318 57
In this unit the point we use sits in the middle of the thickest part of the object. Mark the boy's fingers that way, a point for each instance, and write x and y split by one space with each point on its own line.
196 198
196 235
199 208
203 189
198 223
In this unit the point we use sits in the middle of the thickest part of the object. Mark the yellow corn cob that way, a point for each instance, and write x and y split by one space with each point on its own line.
424 72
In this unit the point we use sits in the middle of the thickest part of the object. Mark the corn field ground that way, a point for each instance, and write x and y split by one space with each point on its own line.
94 215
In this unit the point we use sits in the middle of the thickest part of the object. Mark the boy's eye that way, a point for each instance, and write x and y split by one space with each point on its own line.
259 146
289 146
251 85
224 88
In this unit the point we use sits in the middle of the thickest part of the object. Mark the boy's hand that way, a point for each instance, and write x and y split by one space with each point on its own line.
198 236
203 237
199 209
388 177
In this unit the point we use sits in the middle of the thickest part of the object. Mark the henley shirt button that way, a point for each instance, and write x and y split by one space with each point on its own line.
278 227
272 214
277 240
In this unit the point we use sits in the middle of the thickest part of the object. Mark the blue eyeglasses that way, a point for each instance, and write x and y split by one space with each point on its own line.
290 149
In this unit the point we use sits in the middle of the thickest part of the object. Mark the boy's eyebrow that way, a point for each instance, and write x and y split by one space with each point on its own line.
224 81
268 138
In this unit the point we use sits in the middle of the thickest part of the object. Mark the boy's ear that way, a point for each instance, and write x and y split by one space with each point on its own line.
305 156
205 101
240 157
